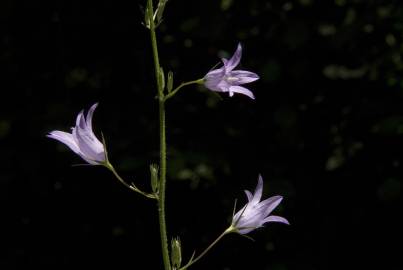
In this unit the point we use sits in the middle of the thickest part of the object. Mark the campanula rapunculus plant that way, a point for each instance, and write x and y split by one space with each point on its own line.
84 143
82 139
226 79
256 213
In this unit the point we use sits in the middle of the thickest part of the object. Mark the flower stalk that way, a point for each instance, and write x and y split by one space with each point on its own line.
171 94
201 255
131 186
163 158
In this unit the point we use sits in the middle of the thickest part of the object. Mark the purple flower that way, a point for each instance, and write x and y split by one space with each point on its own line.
82 139
255 213
225 79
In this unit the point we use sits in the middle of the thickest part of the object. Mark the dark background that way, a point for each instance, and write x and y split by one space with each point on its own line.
325 132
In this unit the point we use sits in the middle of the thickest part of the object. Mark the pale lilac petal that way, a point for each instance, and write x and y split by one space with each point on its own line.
223 86
242 76
82 154
90 113
250 216
82 140
249 220
268 205
258 191
86 153
95 143
253 217
276 219
213 78
241 90
247 230
249 195
236 218
215 73
69 140
86 141
89 145
65 138
234 60
255 213
271 204
225 79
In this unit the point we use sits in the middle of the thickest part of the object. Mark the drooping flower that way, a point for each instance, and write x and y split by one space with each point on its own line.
255 213
226 79
82 139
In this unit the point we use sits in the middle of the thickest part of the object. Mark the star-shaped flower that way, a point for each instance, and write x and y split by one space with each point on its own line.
82 139
226 79
255 213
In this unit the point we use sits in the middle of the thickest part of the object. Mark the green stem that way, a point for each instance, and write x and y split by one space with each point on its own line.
163 159
192 261
162 188
129 186
171 94
155 48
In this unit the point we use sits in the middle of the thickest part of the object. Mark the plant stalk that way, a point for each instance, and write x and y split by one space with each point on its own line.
163 158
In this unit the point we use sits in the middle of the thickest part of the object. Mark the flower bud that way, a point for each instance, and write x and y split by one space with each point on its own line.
154 177
170 81
160 11
161 78
147 18
176 253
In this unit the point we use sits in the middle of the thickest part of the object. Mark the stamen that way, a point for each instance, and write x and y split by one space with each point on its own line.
232 79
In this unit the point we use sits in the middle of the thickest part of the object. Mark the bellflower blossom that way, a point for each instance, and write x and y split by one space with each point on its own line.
82 139
255 213
226 79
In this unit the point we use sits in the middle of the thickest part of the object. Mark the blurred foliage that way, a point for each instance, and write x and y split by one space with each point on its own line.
325 131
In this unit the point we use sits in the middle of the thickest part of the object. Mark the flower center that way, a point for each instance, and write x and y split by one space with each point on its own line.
231 79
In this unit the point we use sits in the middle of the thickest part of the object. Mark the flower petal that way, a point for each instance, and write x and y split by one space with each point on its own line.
234 60
65 138
90 113
257 195
246 230
255 214
236 218
241 90
276 219
251 219
213 78
83 152
223 86
249 195
243 76
88 120
270 204
89 145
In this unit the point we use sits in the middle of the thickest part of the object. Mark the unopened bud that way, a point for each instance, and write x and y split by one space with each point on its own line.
176 253
170 81
159 11
154 177
162 78
147 18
